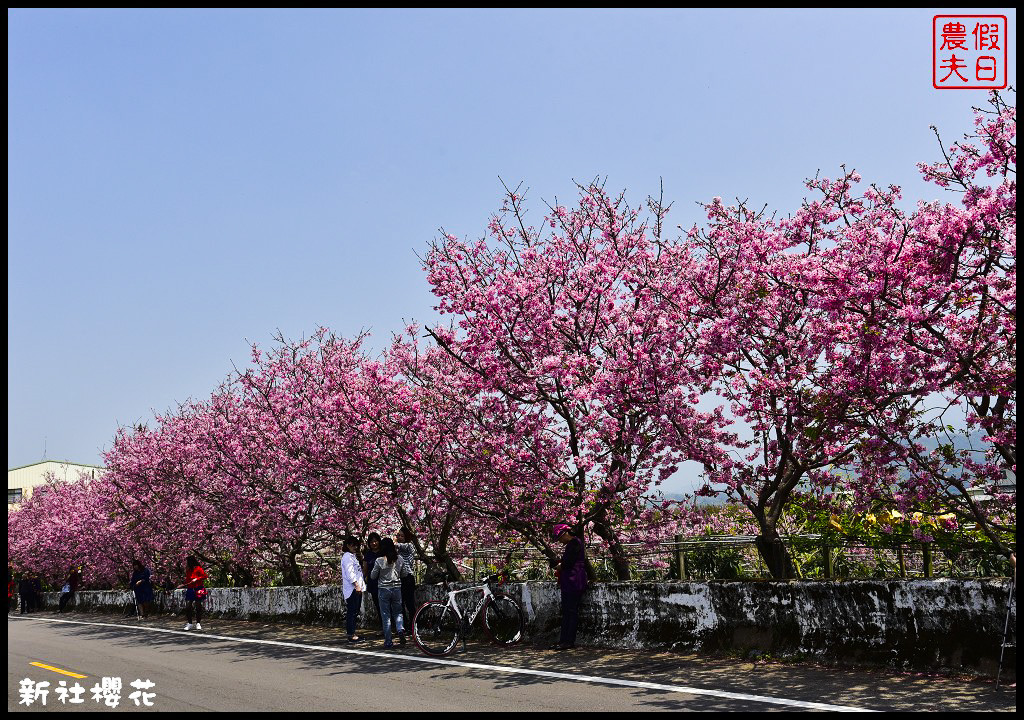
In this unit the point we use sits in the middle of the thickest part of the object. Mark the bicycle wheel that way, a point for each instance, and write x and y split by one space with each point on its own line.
503 619
435 628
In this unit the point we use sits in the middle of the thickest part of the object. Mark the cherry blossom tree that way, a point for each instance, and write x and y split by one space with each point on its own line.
370 437
936 289
561 335
832 333
71 524
743 290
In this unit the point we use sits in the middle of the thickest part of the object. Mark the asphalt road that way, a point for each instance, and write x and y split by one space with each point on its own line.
248 666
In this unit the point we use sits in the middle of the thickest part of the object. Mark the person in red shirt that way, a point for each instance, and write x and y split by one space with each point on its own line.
195 591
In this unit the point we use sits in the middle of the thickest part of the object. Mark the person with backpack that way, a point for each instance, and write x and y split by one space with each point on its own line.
572 581
195 592
352 585
388 571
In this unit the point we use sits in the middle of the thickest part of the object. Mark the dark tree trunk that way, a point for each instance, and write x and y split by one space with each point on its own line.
775 555
291 572
620 562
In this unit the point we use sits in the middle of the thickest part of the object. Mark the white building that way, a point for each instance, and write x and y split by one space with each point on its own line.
22 480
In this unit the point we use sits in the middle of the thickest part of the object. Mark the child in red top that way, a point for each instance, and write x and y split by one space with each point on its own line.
195 591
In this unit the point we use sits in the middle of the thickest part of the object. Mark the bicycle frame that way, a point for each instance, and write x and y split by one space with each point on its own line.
487 593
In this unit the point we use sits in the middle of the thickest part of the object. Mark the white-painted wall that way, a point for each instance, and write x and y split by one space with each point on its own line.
917 624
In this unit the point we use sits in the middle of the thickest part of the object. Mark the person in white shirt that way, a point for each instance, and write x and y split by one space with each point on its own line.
352 585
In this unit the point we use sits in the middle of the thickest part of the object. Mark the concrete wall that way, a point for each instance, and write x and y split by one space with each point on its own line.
919 624
320 605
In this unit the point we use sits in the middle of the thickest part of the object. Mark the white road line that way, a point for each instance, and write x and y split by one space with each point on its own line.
478 666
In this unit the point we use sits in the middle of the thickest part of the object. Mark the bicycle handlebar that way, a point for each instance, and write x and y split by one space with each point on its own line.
497 579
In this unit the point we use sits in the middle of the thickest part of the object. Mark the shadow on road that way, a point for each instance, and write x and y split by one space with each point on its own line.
869 689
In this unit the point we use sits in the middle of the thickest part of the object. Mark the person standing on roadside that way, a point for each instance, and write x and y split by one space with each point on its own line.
142 585
370 554
71 584
195 592
25 592
12 588
572 581
37 592
403 541
352 585
388 570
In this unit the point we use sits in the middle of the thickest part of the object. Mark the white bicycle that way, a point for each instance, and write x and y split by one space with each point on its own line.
437 627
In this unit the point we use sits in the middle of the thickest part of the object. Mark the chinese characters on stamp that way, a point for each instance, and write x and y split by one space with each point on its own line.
969 51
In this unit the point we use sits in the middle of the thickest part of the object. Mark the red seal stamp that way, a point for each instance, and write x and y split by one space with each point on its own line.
969 52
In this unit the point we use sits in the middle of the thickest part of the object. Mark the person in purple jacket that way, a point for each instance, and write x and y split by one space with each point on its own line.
572 581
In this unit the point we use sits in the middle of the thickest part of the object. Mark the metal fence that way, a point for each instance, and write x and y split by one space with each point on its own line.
736 558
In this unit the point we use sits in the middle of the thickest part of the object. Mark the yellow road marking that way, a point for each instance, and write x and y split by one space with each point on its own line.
58 670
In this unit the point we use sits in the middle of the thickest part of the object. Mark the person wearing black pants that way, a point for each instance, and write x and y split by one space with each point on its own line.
370 554
403 541
195 591
25 593
572 581
37 592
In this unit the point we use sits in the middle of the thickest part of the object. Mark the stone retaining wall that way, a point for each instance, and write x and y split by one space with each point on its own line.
919 624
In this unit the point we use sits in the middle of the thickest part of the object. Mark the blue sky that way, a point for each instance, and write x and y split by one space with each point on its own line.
182 183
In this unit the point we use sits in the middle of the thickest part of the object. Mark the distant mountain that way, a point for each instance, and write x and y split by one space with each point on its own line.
701 501
960 441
